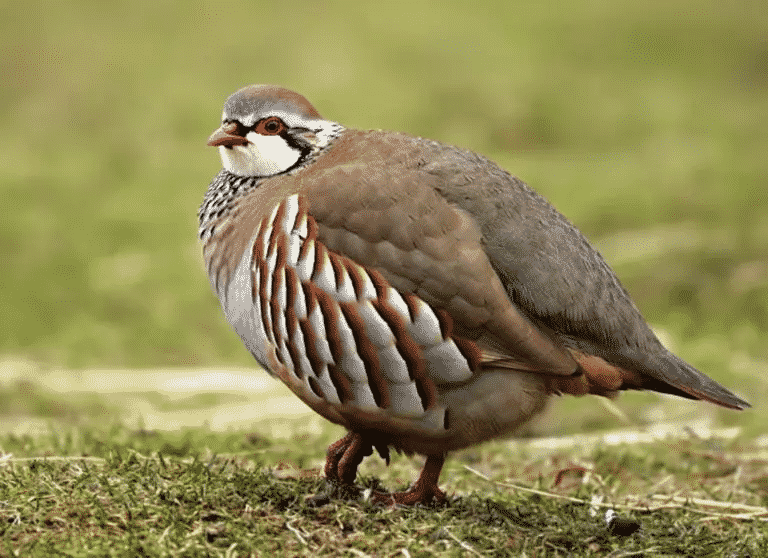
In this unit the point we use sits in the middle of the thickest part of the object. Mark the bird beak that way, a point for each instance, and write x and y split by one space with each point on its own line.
226 136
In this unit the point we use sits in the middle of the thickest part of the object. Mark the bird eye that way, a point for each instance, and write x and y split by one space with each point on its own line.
270 126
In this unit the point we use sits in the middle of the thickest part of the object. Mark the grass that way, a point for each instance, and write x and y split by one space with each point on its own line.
119 492
644 123
93 478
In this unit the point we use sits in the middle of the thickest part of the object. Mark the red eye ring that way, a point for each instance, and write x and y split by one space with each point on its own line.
270 126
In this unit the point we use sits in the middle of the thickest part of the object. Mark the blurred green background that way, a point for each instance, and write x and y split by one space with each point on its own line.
646 123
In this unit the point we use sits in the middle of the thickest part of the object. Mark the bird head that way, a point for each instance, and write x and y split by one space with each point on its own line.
268 130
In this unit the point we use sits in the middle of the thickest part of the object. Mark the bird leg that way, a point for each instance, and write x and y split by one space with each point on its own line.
341 465
345 456
423 491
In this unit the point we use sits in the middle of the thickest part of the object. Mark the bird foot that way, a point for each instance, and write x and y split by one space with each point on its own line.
346 455
423 491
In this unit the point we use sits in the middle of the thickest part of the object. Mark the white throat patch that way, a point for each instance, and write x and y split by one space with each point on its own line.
263 156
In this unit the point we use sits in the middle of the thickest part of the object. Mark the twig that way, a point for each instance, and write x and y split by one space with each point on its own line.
736 516
164 534
710 503
638 435
462 544
670 502
296 532
539 492
53 458
625 553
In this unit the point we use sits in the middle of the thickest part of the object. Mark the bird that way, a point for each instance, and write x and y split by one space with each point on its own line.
413 292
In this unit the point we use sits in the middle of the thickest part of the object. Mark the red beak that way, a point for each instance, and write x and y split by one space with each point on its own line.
226 136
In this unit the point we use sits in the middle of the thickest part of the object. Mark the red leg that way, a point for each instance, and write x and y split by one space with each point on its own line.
334 455
423 491
353 456
345 456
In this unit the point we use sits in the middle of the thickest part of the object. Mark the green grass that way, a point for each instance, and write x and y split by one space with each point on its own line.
645 123
83 474
117 492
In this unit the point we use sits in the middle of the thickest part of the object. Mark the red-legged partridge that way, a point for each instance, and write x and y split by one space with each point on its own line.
410 291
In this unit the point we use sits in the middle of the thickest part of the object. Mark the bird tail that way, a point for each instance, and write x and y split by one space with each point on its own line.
664 373
684 377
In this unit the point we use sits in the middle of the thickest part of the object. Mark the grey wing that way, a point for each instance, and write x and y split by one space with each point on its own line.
548 267
560 282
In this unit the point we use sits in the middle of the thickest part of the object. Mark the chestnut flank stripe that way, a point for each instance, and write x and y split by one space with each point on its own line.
315 387
446 322
338 269
469 351
276 225
410 351
368 354
411 301
355 276
310 346
330 310
277 278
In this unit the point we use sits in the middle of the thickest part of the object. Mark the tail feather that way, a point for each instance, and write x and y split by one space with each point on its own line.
669 374
688 379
